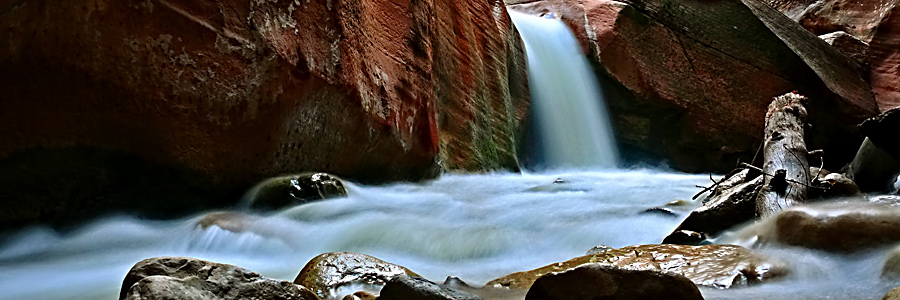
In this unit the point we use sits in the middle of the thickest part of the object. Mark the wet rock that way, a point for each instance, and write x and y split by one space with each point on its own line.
891 268
720 266
602 282
849 45
845 226
686 237
455 282
660 211
731 203
287 191
694 94
678 203
893 294
414 288
188 278
360 296
833 185
325 273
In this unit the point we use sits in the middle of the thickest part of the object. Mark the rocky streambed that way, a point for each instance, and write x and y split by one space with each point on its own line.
497 235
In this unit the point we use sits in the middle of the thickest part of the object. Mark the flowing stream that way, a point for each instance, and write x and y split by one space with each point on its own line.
569 109
477 227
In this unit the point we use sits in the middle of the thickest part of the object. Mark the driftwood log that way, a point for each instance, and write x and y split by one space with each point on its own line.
753 192
784 151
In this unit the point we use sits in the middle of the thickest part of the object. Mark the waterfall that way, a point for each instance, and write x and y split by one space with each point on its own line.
573 127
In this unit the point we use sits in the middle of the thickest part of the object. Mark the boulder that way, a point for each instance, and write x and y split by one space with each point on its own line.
218 95
414 288
164 278
688 82
719 266
604 282
327 272
845 226
873 168
286 191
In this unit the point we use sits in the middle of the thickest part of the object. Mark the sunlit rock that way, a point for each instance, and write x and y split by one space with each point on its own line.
328 272
606 282
286 191
168 278
719 266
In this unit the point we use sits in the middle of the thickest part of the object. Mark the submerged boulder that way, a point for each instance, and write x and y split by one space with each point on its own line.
604 282
327 272
228 93
846 226
688 82
168 278
719 266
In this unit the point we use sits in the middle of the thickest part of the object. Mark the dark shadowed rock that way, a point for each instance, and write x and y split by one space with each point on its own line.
873 168
170 278
325 273
834 185
686 237
415 288
286 191
720 266
690 80
605 282
219 95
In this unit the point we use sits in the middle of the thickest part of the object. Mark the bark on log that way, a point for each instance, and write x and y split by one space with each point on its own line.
784 154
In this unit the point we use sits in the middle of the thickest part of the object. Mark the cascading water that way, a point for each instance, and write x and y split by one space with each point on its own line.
569 109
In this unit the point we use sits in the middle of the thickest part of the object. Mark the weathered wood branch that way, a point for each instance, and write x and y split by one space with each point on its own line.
784 155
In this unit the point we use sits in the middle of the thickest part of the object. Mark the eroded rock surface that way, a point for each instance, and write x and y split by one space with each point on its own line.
188 278
720 266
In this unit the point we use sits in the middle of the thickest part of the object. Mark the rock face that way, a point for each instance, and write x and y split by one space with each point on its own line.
605 282
720 266
286 191
404 287
226 93
839 227
690 80
327 272
875 22
187 278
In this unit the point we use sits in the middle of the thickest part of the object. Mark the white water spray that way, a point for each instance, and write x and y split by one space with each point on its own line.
568 106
